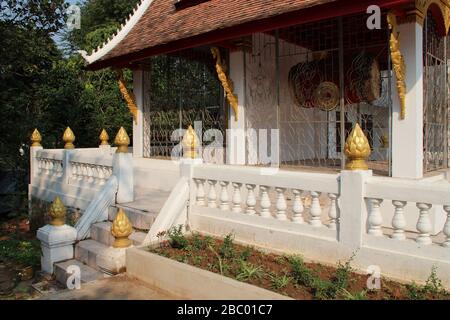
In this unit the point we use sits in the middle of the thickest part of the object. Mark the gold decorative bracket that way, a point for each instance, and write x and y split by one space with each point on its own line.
398 63
226 82
128 96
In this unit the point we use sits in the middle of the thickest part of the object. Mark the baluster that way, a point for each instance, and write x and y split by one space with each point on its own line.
200 196
251 199
298 208
224 199
281 204
237 200
40 168
212 196
398 221
265 202
333 212
101 175
47 166
85 172
316 210
375 219
80 170
424 224
60 169
446 230
51 167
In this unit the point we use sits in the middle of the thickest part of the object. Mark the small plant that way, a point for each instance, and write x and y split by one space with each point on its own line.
226 250
197 260
280 282
246 253
433 287
357 296
218 258
249 271
197 242
160 235
177 238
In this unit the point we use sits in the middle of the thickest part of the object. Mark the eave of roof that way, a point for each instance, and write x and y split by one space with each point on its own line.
131 44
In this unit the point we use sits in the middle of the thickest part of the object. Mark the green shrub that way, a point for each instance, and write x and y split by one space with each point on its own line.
27 253
176 237
226 250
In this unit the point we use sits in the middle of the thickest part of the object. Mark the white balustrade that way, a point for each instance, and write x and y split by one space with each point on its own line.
212 196
399 221
375 218
281 204
265 202
50 167
446 230
224 198
333 211
237 198
315 210
200 197
251 199
424 224
298 207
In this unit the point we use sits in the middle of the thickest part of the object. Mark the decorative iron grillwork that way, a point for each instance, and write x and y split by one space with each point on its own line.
183 89
435 99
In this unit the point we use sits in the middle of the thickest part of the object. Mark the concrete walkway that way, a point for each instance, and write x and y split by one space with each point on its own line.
113 288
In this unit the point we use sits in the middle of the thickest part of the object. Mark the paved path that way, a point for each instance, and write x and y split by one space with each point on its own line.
114 288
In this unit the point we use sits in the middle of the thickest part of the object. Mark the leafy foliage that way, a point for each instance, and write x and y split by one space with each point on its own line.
27 253
177 238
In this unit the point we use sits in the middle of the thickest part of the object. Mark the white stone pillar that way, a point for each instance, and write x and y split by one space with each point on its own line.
34 164
56 244
407 134
67 165
123 170
352 208
138 127
236 137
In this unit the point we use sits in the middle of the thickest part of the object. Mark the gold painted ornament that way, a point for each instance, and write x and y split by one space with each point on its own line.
190 143
357 149
104 137
36 138
69 139
122 141
57 213
121 229
226 82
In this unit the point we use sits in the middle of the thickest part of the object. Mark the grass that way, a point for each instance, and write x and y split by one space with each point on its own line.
433 287
249 271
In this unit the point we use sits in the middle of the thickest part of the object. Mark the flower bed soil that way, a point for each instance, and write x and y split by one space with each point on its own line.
288 275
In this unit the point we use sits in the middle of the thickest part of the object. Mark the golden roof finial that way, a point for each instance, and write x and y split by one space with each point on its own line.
36 138
121 230
57 212
190 143
357 149
69 139
104 137
122 141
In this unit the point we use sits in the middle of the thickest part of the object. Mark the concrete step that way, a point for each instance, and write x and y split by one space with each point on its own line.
143 210
140 220
101 232
87 273
86 251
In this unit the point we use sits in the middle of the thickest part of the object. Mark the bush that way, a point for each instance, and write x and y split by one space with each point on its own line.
176 237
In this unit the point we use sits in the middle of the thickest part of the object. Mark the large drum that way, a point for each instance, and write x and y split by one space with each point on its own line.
316 83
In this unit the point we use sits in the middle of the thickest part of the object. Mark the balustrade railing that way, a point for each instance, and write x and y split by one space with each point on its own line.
293 197
423 196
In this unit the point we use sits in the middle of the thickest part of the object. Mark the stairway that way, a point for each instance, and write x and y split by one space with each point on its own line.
142 212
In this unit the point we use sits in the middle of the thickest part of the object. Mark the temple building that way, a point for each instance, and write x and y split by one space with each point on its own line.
346 101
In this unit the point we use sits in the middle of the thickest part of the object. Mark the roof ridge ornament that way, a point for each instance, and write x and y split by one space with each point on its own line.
123 30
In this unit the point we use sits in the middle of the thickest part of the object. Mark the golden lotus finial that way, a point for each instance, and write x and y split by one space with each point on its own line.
122 141
69 139
357 149
36 138
190 143
121 230
57 212
104 137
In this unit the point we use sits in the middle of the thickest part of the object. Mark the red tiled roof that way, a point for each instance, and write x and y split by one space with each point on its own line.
162 24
